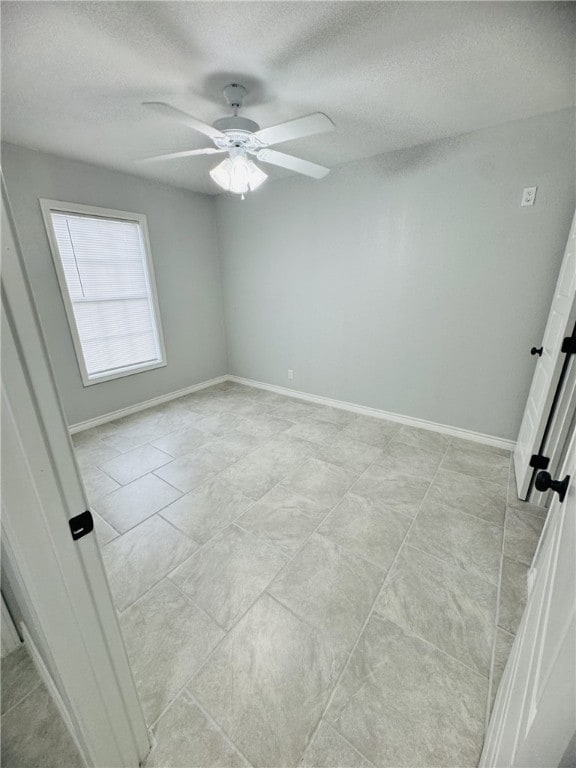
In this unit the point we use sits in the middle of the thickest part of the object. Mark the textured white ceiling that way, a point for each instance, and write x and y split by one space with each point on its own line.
390 74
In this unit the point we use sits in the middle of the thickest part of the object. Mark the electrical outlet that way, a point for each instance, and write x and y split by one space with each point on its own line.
290 374
528 196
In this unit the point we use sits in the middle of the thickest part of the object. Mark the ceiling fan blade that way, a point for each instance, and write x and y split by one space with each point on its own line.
318 122
292 163
185 153
184 117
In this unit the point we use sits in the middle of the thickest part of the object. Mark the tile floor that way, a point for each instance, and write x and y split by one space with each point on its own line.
298 585
33 734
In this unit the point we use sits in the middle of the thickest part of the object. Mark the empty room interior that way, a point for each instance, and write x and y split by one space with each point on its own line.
288 384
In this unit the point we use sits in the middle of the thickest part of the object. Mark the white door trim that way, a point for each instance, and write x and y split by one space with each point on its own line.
62 582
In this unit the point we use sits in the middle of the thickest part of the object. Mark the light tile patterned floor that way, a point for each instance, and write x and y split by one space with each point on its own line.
33 733
298 585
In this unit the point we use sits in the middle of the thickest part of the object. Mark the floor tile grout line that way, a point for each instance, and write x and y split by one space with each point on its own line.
124 455
215 723
437 648
150 588
188 598
349 743
168 706
130 530
328 512
493 654
138 477
194 604
481 519
459 511
108 476
527 512
116 531
184 689
456 566
496 629
353 648
279 483
156 512
239 619
256 539
26 695
370 613
480 479
419 447
211 437
289 560
234 521
347 549
265 590
301 619
497 614
183 493
467 474
143 520
221 438
178 530
121 610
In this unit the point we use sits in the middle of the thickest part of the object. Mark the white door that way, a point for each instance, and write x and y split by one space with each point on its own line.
548 367
534 716
59 585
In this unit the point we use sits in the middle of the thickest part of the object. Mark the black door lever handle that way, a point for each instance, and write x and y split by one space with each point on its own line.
544 482
537 351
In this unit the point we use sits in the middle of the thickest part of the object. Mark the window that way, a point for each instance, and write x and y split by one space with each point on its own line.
103 263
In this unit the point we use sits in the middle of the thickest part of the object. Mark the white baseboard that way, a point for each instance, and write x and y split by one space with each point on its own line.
80 426
465 434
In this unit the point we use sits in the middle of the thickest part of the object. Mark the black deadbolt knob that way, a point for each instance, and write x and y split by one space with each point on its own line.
537 351
544 482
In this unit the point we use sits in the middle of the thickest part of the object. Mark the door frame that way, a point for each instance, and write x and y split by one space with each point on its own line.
60 584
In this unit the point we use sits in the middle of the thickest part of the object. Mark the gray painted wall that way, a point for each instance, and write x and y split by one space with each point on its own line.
185 256
411 282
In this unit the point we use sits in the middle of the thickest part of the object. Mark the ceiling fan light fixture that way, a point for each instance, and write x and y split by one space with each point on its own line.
238 175
221 174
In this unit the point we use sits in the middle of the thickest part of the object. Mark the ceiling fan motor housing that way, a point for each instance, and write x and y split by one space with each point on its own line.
238 132
235 123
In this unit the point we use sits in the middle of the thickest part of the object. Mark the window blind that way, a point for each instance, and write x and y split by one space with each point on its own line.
104 264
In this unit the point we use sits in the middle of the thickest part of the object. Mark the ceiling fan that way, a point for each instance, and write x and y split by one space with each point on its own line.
240 137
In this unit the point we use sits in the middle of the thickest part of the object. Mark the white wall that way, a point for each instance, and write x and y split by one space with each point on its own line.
185 256
411 282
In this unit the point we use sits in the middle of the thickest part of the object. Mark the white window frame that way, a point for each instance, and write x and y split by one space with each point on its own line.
49 206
